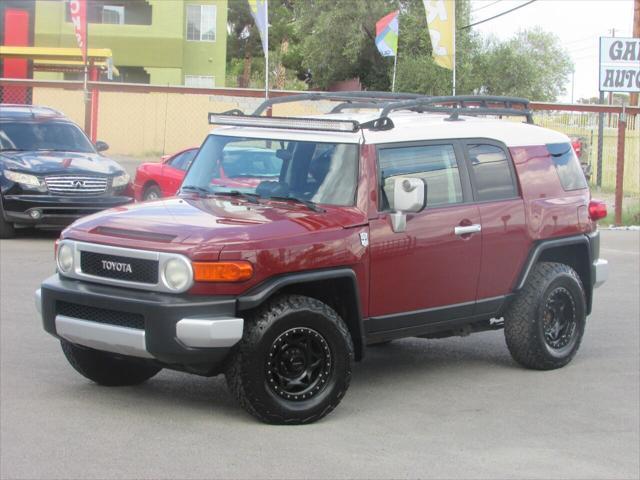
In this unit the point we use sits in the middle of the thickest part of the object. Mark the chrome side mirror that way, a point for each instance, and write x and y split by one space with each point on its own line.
409 195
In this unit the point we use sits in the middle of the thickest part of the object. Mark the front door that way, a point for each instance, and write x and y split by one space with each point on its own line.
428 273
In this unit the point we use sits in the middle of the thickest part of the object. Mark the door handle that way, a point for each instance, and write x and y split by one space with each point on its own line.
468 229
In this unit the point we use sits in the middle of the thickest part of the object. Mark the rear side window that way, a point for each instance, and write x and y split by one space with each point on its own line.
493 176
435 164
567 165
183 160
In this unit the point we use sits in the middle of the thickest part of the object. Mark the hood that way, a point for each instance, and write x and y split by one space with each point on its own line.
211 221
50 162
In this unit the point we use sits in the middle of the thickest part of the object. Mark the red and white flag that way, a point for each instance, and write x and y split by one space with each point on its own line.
78 10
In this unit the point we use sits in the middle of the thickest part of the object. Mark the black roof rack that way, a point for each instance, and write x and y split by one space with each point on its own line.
365 96
386 103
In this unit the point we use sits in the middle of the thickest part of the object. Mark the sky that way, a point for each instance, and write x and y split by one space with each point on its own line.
578 24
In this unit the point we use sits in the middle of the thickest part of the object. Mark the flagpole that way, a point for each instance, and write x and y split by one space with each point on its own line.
395 64
454 48
87 98
266 51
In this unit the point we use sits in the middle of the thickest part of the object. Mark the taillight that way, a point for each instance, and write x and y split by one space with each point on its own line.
597 210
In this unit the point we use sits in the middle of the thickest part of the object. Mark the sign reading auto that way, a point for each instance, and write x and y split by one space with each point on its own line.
619 64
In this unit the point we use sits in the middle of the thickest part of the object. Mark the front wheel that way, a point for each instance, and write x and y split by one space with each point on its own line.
545 324
293 364
7 229
152 192
108 369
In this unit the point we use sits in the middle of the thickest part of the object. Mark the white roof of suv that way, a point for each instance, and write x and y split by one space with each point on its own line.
411 127
414 118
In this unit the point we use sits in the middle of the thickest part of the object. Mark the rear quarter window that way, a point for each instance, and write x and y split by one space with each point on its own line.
568 166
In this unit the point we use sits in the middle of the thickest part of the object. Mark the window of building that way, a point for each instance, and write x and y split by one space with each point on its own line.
199 81
568 166
201 23
116 12
435 164
493 178
113 14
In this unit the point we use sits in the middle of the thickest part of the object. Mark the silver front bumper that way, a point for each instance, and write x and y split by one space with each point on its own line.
600 271
191 332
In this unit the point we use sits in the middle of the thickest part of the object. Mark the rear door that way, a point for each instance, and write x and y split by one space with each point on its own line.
428 273
505 239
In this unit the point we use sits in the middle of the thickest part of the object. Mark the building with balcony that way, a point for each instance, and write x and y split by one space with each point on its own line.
160 42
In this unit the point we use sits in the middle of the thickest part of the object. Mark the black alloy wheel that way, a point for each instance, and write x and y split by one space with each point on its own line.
299 364
545 323
559 318
293 364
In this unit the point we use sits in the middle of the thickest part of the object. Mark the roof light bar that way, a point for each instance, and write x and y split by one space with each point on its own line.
290 123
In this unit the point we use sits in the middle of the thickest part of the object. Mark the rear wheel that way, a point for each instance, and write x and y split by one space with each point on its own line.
152 192
545 324
7 229
293 364
106 368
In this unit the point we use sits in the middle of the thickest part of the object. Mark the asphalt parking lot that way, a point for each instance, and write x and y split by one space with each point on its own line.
451 408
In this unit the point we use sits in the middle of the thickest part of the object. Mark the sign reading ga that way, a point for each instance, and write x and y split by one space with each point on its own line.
619 64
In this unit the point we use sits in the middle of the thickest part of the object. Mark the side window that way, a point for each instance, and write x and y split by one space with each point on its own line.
183 160
435 164
491 171
188 158
568 166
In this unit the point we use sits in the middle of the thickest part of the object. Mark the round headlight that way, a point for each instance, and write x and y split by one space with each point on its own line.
65 258
177 274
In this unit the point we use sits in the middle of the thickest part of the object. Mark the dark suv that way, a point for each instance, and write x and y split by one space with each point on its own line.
409 218
50 173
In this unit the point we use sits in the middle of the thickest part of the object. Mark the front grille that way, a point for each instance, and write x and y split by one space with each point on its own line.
119 268
76 185
100 315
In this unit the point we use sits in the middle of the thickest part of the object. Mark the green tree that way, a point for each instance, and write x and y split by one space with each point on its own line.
532 64
335 40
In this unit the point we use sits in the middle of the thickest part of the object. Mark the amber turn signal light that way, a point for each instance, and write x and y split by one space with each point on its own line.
236 271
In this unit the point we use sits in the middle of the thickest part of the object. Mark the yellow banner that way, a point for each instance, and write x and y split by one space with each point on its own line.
441 20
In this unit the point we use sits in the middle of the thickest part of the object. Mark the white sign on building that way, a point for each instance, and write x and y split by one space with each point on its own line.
619 64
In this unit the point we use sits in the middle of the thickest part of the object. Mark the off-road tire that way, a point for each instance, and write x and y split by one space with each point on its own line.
524 319
248 372
153 191
6 228
108 369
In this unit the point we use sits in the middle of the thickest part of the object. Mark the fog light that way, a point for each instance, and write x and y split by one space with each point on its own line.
65 258
35 214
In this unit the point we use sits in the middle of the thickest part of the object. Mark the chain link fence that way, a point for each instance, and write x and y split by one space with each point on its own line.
149 121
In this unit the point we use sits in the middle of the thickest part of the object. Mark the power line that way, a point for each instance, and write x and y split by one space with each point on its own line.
496 16
485 6
581 39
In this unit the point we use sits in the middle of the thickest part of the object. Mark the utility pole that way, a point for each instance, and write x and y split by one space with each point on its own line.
572 84
636 34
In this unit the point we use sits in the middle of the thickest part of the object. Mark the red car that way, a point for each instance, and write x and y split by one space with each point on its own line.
238 169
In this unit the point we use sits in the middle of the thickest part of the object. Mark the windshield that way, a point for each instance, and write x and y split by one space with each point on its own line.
43 136
310 172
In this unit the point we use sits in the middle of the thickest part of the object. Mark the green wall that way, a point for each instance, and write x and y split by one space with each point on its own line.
161 48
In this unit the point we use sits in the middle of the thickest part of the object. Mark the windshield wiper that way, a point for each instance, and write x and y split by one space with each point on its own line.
12 150
251 197
194 188
307 203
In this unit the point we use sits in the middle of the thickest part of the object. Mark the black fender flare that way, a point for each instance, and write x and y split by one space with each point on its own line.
265 290
589 241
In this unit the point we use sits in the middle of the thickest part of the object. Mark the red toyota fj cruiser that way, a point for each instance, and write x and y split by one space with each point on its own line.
393 216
